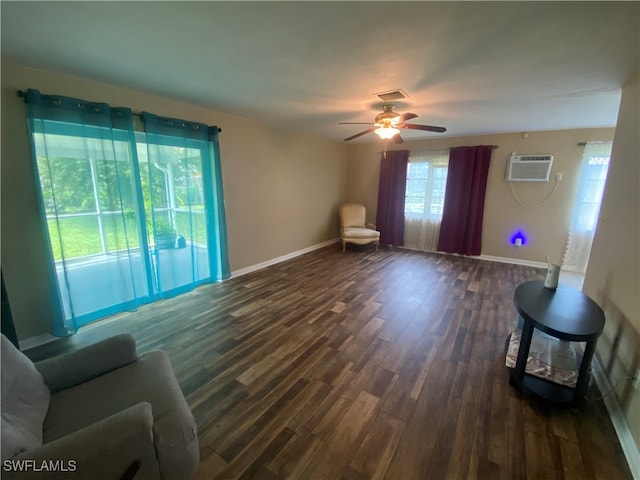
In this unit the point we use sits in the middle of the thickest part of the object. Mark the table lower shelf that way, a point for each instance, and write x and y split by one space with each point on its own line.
549 358
545 390
540 380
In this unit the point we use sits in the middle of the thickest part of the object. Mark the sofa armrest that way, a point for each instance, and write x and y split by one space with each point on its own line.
78 366
105 450
372 226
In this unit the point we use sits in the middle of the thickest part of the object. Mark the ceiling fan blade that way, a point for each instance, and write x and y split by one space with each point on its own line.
407 116
397 138
369 130
429 128
355 123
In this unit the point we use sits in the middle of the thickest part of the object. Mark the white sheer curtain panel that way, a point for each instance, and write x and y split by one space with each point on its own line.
586 208
426 184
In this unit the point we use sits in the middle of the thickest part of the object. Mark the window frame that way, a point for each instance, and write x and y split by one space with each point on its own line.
435 184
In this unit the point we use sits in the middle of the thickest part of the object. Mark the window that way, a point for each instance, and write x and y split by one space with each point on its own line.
591 181
85 180
424 198
426 184
593 175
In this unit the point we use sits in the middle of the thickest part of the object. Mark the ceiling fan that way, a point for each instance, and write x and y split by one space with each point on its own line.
387 125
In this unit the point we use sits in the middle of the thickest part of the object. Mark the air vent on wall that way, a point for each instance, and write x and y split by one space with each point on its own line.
529 168
391 95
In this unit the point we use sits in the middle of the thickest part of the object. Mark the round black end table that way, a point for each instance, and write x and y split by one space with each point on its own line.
564 313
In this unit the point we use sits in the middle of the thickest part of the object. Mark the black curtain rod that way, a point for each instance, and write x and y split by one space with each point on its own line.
22 94
443 148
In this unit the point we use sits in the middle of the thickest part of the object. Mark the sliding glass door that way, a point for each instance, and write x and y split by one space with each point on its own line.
175 203
87 179
130 217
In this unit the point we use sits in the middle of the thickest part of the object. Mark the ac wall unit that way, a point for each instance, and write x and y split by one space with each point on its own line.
529 168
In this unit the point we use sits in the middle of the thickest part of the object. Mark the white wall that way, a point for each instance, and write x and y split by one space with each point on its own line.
613 273
547 226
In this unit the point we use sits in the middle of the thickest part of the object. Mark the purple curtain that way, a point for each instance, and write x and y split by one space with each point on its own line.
391 193
461 227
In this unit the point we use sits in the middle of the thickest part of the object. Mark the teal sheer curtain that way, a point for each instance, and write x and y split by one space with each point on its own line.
129 216
181 178
85 163
217 218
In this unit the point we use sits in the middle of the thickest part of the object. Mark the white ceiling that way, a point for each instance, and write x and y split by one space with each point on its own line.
472 67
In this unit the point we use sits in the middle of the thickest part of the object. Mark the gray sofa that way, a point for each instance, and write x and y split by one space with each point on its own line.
109 414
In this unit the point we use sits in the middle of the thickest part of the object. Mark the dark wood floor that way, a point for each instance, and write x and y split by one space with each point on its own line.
385 365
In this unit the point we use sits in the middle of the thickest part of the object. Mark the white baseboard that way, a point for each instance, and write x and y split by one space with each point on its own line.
514 261
620 424
288 256
36 341
490 258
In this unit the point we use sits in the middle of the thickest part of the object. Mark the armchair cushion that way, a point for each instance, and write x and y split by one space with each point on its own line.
359 232
101 450
25 400
67 370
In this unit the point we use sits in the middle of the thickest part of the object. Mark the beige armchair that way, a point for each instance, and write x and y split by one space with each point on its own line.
99 412
353 226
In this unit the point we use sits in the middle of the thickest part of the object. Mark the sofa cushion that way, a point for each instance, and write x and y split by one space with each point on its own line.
25 400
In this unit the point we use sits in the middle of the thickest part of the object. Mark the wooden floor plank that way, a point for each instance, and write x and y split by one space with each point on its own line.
376 451
336 453
296 455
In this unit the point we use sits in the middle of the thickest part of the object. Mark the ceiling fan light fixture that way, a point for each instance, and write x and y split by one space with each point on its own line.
387 125
387 133
387 116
